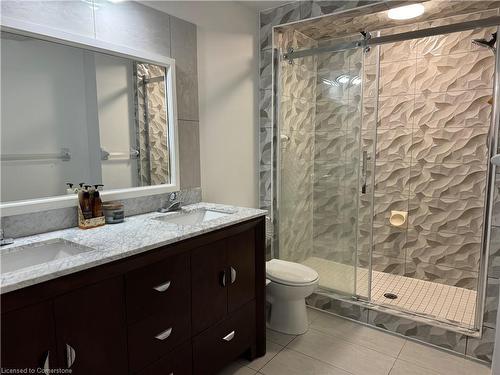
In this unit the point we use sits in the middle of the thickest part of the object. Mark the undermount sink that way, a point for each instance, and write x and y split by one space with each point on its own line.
193 217
36 253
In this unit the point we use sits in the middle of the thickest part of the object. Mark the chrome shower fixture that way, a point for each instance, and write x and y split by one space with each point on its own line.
487 43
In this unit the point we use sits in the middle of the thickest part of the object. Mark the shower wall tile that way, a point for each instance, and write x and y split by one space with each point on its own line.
265 143
265 106
447 215
309 9
397 78
461 181
329 146
441 274
392 177
417 330
450 145
78 15
333 115
389 241
339 307
491 302
461 71
338 85
265 182
482 348
394 144
454 109
295 114
494 255
454 42
349 60
370 75
298 82
396 111
276 16
266 69
383 263
119 23
444 249
398 51
383 204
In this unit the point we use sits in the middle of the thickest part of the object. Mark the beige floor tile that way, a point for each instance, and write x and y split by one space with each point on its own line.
356 359
236 368
440 361
312 314
278 337
407 368
271 350
289 362
359 334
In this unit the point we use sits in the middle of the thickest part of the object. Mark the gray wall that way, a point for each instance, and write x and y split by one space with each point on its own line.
141 28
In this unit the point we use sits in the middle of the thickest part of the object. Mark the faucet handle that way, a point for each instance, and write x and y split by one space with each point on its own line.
173 196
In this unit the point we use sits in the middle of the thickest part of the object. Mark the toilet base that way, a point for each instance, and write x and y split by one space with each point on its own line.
288 316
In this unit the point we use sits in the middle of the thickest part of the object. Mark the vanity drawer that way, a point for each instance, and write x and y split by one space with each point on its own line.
177 362
219 345
153 337
154 289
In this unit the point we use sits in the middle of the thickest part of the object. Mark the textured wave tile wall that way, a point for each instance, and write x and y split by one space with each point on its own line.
296 119
461 105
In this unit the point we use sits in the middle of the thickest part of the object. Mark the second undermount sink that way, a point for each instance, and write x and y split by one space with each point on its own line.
17 258
193 217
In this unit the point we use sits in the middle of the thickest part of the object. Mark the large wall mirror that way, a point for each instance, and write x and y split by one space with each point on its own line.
73 115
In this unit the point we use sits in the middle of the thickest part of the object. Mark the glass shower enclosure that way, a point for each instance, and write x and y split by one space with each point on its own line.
382 159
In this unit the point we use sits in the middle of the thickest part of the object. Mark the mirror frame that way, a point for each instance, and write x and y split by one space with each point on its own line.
74 40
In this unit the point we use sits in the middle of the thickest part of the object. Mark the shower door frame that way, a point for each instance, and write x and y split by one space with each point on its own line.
492 143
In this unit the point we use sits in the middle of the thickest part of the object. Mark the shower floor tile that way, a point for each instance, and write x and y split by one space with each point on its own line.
441 302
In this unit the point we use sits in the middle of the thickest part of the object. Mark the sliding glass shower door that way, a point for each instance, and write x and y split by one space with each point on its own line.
325 157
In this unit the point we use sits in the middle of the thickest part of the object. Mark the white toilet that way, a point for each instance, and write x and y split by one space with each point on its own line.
288 285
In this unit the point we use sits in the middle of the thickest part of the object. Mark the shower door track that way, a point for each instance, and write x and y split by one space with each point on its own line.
432 31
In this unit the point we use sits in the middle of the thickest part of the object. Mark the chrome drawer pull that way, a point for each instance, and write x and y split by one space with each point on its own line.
162 287
229 336
70 355
233 275
46 364
163 335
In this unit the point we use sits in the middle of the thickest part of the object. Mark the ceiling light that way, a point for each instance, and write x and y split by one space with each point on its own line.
343 79
406 12
356 80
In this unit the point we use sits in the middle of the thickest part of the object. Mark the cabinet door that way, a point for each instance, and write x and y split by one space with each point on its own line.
209 294
91 329
28 338
241 263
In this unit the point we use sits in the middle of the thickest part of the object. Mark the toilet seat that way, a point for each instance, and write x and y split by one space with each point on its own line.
290 273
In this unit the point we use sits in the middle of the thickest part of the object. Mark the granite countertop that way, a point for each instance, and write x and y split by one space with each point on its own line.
111 242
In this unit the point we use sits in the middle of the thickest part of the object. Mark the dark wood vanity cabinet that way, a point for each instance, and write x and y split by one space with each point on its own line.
28 337
187 308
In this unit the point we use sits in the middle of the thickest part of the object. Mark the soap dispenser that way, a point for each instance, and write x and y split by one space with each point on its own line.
70 189
86 206
97 202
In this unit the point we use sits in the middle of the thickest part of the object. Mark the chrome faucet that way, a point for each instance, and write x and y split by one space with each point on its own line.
174 204
5 241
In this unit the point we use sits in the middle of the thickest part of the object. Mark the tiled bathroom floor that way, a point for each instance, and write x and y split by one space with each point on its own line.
337 346
438 301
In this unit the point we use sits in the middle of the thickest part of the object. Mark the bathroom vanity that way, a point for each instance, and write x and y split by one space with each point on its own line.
181 299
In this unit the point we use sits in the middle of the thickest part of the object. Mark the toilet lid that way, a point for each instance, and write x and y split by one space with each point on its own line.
290 273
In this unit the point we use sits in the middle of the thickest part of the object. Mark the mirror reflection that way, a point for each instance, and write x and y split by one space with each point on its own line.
71 115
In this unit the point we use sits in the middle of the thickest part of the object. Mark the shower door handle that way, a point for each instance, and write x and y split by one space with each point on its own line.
363 172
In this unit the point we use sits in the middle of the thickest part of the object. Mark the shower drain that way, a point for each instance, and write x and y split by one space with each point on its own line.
390 295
